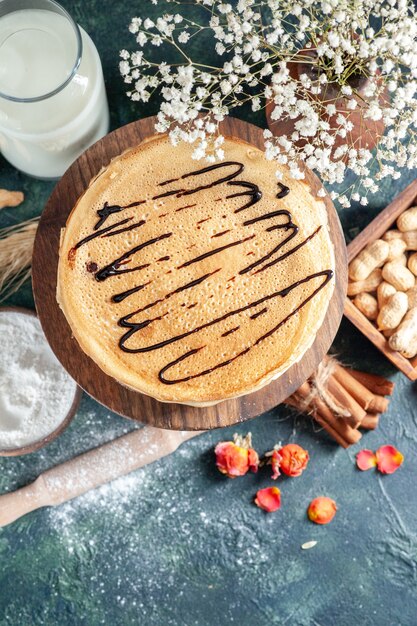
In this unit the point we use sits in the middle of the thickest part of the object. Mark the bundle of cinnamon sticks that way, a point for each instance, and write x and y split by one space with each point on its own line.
341 400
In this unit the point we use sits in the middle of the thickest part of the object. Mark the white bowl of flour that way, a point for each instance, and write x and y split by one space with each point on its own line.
37 397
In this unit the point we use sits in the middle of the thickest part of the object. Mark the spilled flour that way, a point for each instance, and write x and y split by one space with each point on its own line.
35 391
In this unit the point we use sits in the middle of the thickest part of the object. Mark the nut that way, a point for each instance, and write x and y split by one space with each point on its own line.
384 292
410 239
408 220
412 297
367 305
392 234
398 276
368 259
393 311
412 263
397 247
405 339
369 284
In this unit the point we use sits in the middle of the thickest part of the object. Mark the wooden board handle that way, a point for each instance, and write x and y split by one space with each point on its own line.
91 469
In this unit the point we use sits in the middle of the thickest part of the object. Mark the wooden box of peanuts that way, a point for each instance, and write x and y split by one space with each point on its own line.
382 289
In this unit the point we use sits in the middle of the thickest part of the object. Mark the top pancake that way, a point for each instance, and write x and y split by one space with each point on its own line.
191 282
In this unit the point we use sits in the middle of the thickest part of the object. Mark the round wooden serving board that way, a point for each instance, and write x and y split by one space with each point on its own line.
87 374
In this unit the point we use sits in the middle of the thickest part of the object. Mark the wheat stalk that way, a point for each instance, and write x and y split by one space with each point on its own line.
16 247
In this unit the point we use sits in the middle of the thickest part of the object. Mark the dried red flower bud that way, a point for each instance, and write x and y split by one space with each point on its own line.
294 459
388 459
268 499
275 461
236 458
365 460
322 510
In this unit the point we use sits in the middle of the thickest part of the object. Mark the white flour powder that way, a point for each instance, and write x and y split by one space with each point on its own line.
35 391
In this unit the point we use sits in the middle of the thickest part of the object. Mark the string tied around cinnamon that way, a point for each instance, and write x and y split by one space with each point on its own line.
319 388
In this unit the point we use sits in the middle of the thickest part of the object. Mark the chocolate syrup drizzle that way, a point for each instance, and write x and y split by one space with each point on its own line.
327 274
250 190
108 210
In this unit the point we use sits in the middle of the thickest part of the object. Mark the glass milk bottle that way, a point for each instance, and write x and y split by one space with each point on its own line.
53 102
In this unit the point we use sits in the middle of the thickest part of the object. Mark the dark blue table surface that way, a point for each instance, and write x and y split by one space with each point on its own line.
178 544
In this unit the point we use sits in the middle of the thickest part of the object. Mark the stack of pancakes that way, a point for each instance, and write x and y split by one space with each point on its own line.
195 282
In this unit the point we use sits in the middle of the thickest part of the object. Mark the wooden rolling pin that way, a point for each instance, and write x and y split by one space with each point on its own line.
92 469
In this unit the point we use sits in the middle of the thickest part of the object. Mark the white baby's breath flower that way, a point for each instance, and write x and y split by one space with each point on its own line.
346 90
344 201
136 58
124 68
135 25
141 38
183 37
374 112
367 49
333 39
148 24
156 40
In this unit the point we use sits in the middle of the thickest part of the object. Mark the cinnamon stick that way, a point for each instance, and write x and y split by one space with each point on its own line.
358 395
343 398
291 401
357 390
377 384
349 434
370 421
323 415
332 432
379 405
373 403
